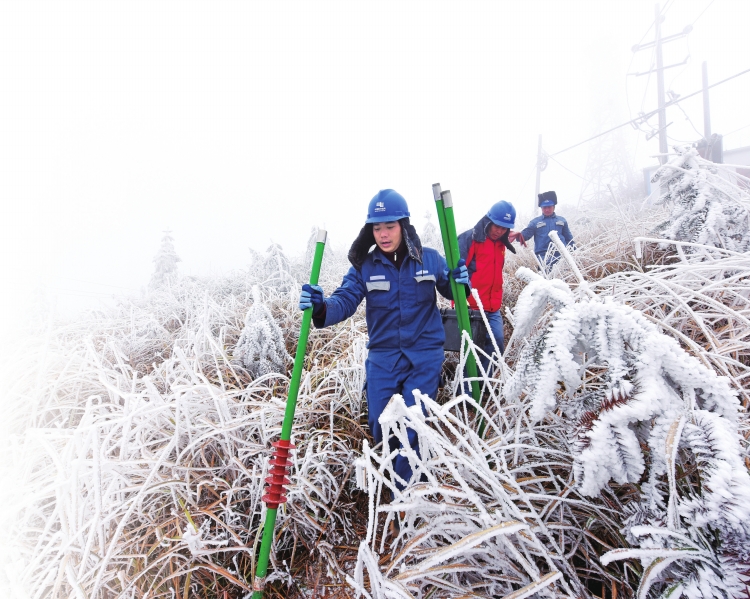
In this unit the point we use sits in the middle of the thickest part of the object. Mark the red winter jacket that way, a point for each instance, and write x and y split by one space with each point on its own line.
484 260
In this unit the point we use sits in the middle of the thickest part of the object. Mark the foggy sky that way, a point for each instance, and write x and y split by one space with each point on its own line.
237 123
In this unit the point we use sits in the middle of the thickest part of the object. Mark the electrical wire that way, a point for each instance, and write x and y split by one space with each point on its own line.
735 131
650 114
520 191
671 83
687 64
700 15
662 13
687 118
632 58
584 179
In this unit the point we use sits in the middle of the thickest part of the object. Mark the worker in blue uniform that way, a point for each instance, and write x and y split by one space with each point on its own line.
397 278
540 227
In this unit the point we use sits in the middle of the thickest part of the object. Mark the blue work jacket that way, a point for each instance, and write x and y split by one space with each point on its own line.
401 305
539 228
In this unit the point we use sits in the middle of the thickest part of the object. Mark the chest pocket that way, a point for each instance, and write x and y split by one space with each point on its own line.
541 224
425 288
559 224
378 294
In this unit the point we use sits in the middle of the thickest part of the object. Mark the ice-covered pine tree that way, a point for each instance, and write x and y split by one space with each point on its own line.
430 236
272 269
165 270
706 207
261 347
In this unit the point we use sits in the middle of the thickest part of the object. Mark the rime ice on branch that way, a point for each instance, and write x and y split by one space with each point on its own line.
642 412
706 208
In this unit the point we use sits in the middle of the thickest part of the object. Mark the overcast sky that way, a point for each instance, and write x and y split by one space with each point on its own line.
237 123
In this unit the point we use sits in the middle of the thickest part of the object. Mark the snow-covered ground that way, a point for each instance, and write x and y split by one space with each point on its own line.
611 448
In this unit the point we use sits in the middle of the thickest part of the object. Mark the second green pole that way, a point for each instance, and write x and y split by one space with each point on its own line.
444 205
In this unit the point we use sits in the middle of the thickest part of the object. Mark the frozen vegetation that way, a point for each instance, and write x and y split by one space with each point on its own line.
613 459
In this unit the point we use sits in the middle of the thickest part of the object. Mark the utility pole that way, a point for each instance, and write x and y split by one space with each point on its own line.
540 166
706 109
660 88
657 44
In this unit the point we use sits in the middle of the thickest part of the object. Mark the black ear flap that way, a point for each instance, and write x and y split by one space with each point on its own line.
506 241
547 196
361 246
412 240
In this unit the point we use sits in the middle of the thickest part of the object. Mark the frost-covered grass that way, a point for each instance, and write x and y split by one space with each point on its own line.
613 454
137 444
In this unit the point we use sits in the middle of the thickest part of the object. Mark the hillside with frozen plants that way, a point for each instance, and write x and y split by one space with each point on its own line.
609 457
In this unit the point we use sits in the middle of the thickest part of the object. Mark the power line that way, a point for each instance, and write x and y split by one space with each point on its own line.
649 114
704 10
662 13
570 171
735 131
520 191
667 6
687 63
632 58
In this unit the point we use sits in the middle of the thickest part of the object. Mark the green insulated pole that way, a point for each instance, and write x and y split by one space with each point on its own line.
277 480
436 193
444 204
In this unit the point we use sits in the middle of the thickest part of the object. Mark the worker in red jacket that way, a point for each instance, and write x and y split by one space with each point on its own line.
483 249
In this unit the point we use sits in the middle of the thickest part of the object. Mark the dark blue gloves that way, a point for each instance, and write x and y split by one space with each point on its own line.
311 297
460 274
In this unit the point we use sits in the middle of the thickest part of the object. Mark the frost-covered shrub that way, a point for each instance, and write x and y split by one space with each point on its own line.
642 411
272 269
701 300
138 447
706 208
138 444
261 347
467 526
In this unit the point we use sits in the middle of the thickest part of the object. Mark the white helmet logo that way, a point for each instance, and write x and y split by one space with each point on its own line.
507 216
379 207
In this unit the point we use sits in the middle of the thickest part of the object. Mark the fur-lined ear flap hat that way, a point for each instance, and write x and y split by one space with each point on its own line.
548 198
386 206
366 239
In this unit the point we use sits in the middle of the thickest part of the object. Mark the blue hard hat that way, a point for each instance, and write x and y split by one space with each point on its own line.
503 214
387 206
548 198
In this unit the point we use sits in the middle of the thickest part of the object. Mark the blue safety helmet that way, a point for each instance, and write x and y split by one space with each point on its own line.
548 198
503 214
387 206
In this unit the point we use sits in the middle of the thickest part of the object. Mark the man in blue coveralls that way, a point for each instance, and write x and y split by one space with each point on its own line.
398 279
539 228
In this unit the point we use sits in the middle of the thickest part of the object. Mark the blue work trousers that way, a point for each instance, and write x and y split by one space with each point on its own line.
403 378
496 329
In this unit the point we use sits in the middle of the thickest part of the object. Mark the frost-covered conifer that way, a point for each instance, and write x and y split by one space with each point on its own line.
706 208
275 260
261 347
272 269
430 236
165 270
